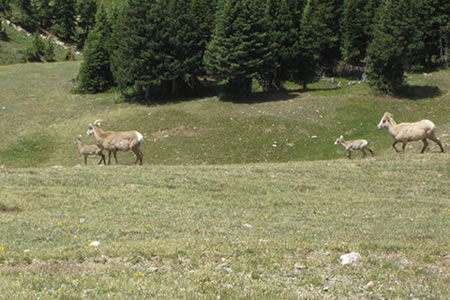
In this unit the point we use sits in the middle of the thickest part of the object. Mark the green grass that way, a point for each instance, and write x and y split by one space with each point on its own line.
38 109
165 231
231 197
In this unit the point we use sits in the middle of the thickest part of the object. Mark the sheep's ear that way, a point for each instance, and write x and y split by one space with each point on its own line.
341 137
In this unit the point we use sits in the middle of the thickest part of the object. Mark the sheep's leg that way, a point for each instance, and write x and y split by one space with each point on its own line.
395 148
115 156
435 139
85 159
109 157
349 154
138 154
425 144
371 152
364 152
103 159
403 147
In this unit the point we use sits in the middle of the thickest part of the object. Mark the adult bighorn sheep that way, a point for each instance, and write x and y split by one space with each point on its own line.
350 146
87 150
114 141
408 132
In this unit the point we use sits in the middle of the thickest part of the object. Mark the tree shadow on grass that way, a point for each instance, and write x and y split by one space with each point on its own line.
418 92
270 96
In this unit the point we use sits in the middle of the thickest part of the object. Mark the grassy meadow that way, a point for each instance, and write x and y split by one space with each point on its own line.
246 199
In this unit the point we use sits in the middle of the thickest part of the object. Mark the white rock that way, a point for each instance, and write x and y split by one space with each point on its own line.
247 225
350 258
94 244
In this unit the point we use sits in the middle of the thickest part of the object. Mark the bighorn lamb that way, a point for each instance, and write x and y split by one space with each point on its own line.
87 150
350 146
117 141
408 132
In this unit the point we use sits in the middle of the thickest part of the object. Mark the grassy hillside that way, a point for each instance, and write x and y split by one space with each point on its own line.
19 41
255 231
40 119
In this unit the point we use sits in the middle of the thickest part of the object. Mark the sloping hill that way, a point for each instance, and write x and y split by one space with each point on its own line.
19 40
40 119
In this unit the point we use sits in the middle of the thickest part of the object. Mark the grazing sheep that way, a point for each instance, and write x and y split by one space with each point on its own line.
117 141
350 146
87 150
408 132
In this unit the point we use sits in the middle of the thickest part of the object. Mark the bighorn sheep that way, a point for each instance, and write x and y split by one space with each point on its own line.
350 146
87 150
408 132
117 141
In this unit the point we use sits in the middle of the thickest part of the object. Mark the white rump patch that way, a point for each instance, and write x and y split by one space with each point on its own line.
140 137
429 123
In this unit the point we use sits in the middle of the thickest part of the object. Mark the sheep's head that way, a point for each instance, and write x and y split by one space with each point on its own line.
78 139
339 140
91 127
384 122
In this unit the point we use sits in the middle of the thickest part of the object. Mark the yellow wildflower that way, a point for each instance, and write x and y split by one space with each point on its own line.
138 274
59 223
2 249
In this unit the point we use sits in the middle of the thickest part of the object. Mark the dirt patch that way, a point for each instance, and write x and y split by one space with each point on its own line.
177 131
5 208
90 265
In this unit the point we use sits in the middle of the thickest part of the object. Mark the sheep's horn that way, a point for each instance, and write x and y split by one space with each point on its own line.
97 122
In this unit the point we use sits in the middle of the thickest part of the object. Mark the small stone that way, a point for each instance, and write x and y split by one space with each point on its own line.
94 244
369 285
299 267
247 226
350 258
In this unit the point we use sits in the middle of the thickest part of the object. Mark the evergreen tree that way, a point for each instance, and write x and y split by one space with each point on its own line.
130 61
409 27
203 13
35 51
180 47
95 71
305 65
158 46
240 48
44 12
49 50
385 52
86 11
4 9
282 37
354 40
26 16
64 16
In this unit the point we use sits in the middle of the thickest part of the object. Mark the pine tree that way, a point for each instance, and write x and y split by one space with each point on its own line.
305 65
409 27
130 65
240 48
385 52
49 50
203 14
64 16
35 52
354 40
95 72
86 11
282 36
44 12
